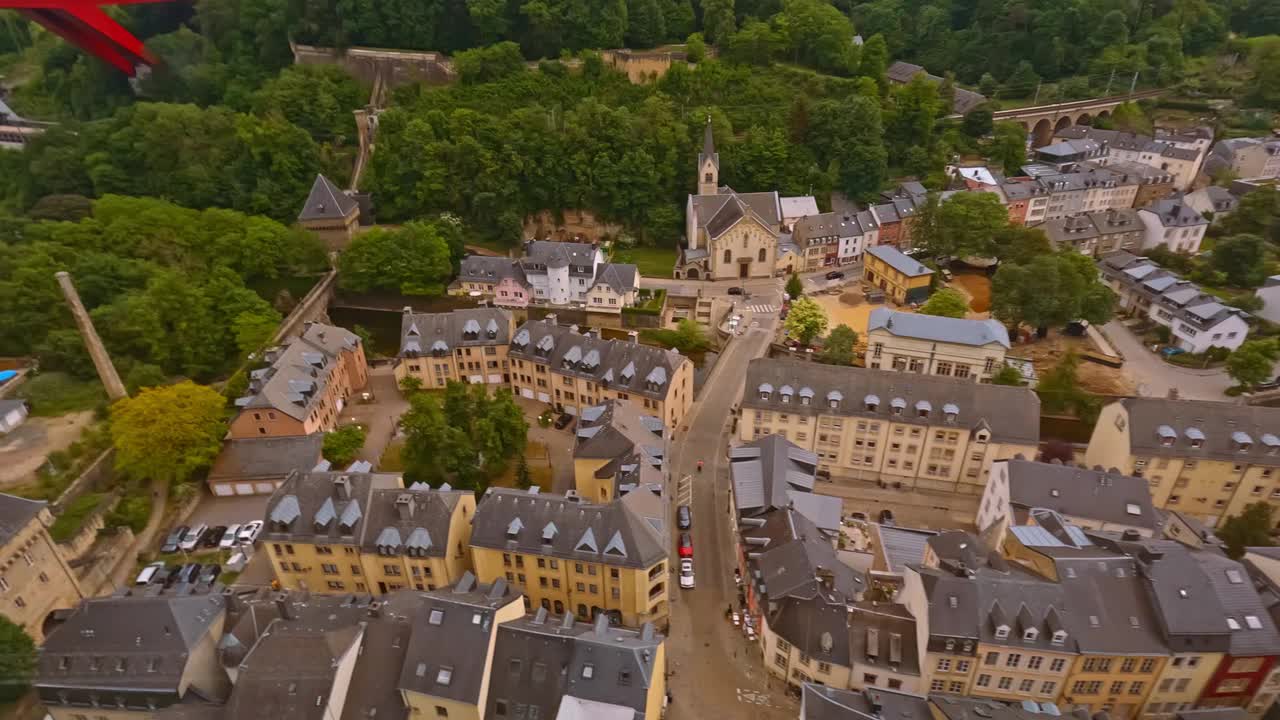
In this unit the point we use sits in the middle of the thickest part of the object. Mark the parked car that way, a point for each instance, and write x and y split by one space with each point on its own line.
148 574
192 538
171 543
228 539
684 517
686 545
209 574
186 574
249 532
1270 385
886 517
835 275
737 619
564 421
686 573
735 290
212 536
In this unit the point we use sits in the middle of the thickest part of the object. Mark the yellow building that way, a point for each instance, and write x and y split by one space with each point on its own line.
360 532
902 279
1206 460
930 345
574 557
618 449
35 579
573 371
468 345
920 431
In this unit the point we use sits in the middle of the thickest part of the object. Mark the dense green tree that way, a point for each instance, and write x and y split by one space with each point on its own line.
1251 363
646 26
1023 81
17 660
978 122
466 438
965 224
1007 375
1242 258
342 445
1059 390
168 433
838 346
413 260
718 22
847 133
1009 147
1021 244
875 59
795 288
1251 528
909 121
1050 291
946 303
688 337
988 85
755 43
695 47
317 98
806 320
1257 214
486 64
818 35
1265 64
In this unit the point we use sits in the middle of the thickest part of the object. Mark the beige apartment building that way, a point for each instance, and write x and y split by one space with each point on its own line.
1207 460
308 381
573 371
468 345
572 557
618 450
931 345
35 579
330 532
918 430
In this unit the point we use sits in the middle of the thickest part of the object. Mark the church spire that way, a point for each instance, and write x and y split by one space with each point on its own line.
708 164
708 143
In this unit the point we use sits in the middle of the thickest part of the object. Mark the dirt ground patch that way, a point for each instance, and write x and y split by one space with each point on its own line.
848 309
24 450
1094 378
978 287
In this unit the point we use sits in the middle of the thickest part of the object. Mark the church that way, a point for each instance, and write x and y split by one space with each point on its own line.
735 235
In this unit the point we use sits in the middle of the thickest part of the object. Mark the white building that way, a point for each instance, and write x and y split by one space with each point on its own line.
1174 223
561 273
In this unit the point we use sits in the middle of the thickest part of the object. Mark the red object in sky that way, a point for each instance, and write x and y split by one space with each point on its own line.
85 25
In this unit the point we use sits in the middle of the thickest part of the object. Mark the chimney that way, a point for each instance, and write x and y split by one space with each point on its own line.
283 607
549 318
573 328
342 487
602 625
404 506
825 578
97 351
634 335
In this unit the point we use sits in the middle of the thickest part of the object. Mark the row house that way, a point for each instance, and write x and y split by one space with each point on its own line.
1245 157
551 273
1196 320
1097 233
1173 223
468 345
1180 155
912 430
305 385
617 449
831 239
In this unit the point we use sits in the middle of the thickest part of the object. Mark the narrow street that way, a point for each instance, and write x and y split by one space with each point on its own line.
714 671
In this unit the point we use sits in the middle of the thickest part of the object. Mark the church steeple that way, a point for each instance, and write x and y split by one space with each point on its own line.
708 164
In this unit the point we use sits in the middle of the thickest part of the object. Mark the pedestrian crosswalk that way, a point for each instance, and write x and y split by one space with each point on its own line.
762 309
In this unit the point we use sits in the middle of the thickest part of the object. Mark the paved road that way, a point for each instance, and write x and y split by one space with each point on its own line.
714 671
1155 377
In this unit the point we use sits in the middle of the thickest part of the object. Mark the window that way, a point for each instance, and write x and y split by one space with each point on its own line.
944 664
1026 685
937 685
1128 665
1005 683
1012 660
1117 687
1136 688
442 711
824 667
1034 662
1148 665
780 660
962 666
992 658
1047 687
1057 665
869 679
954 686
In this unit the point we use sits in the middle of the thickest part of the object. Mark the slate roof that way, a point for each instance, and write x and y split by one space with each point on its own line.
290 672
15 514
131 645
883 635
298 371
823 702
466 327
491 269
625 366
895 259
766 471
798 207
1181 298
1253 632
717 213
709 146
902 546
1218 422
452 632
539 660
831 225
1010 413
621 278
1080 492
266 457
628 532
1173 212
326 202
960 331
542 254
964 100
1110 612
631 442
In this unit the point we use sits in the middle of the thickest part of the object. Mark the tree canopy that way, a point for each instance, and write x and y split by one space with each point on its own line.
1050 291
1251 528
465 437
806 320
946 303
168 433
838 346
1251 363
17 660
414 259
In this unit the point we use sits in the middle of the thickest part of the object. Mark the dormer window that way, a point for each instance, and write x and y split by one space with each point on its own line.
923 408
1002 632
1030 634
872 403
786 397
765 390
1059 637
1242 441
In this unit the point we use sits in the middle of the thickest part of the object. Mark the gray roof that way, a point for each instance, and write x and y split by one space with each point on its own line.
136 646
326 202
883 635
1218 422
940 329
542 254
490 269
708 146
956 707
539 660
829 225
15 514
964 100
764 470
1110 612
453 628
1010 413
631 442
894 257
717 213
298 371
290 671
1253 632
1080 492
467 327
633 519
621 278
902 546
625 366
823 702
1173 212
267 457
1183 299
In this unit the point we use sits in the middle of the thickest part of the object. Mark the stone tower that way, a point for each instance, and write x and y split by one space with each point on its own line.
708 164
101 360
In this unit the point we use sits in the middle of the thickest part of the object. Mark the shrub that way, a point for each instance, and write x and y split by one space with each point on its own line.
72 519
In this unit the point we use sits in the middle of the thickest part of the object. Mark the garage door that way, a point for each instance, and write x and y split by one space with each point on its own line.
222 490
543 397
244 488
475 379
495 378
264 488
526 392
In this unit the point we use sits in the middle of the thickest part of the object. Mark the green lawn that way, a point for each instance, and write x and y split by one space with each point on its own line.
653 262
55 393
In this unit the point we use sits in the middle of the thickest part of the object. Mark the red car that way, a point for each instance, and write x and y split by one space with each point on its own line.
686 545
